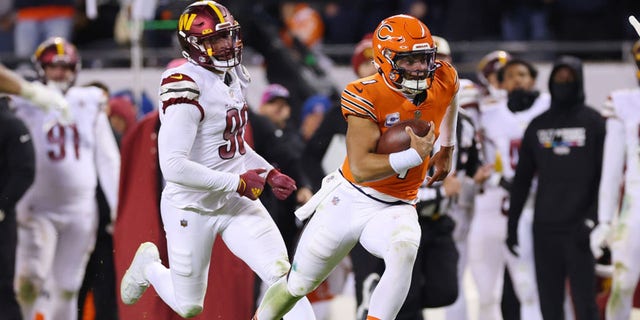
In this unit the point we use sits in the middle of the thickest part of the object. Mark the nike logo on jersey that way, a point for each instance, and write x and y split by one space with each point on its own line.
24 138
177 77
358 89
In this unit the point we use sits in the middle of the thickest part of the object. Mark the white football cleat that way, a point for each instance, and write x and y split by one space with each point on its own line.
134 283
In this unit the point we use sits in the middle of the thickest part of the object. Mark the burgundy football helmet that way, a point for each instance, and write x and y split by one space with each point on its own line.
210 36
490 64
60 52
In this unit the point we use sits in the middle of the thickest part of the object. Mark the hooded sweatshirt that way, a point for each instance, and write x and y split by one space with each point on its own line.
563 148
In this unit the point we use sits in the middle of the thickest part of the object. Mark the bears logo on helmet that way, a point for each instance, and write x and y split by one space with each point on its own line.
403 36
210 36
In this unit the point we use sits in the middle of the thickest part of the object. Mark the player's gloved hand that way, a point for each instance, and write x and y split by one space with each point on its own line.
599 238
251 184
47 98
442 162
281 184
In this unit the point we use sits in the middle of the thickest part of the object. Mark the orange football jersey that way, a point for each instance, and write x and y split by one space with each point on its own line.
371 98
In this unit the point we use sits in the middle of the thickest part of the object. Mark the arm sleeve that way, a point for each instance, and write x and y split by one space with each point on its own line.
9 81
521 185
107 157
448 126
175 140
20 160
612 170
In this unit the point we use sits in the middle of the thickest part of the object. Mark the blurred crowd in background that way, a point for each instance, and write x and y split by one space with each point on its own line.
332 26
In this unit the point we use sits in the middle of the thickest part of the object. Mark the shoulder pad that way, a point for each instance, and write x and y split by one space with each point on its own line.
354 101
87 96
469 94
179 88
447 74
178 85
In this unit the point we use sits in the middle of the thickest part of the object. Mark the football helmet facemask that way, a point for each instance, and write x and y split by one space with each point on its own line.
404 37
210 36
57 52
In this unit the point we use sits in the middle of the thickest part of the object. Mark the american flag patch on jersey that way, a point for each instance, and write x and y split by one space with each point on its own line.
179 88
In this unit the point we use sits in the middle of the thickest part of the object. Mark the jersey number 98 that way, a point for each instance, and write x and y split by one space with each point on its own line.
233 133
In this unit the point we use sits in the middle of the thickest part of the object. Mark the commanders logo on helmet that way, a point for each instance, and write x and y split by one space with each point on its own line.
403 36
210 36
59 52
490 64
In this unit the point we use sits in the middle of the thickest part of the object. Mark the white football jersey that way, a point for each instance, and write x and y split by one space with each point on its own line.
626 105
65 155
219 143
504 130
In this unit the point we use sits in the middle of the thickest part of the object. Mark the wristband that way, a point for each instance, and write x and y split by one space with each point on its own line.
404 160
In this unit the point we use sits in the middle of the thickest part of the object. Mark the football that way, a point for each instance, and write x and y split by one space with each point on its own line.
396 139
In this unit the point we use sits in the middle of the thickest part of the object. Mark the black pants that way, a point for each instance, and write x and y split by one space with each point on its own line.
100 276
510 305
9 308
560 256
434 281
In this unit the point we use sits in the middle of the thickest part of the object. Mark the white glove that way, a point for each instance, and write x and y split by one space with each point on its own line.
599 238
47 98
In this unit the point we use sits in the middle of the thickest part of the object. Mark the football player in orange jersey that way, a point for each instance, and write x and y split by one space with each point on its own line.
371 198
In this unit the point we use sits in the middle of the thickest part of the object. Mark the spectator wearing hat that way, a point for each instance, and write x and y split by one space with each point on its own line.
312 114
282 145
274 105
362 58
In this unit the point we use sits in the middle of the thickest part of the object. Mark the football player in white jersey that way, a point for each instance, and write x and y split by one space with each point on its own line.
504 122
621 150
213 178
57 217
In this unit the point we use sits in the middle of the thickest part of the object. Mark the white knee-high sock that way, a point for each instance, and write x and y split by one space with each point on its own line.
277 302
392 290
160 279
302 310
65 305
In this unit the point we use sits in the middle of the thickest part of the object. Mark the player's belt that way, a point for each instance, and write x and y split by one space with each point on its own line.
391 203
